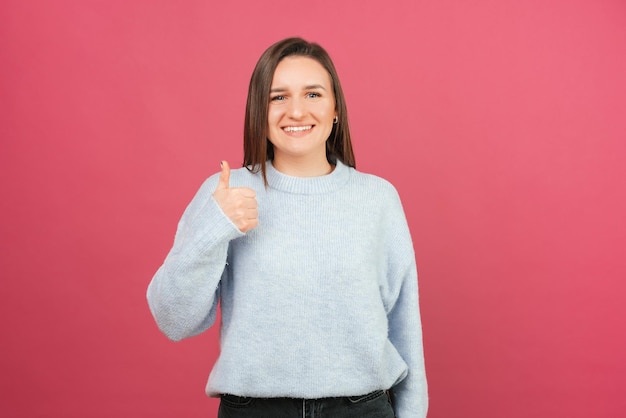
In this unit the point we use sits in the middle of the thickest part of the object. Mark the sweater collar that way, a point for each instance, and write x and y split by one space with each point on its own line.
307 185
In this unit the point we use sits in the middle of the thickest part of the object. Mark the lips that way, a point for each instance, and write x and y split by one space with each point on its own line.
297 128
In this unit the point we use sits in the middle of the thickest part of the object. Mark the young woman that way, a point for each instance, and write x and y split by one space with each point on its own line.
311 261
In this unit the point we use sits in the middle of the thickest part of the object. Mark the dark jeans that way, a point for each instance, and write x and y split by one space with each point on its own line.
373 405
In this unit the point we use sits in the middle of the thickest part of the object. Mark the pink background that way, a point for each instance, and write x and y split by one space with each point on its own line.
502 124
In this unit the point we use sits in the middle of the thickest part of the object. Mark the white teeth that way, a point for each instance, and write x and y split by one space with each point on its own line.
297 128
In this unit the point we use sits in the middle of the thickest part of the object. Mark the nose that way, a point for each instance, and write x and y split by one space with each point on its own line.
297 108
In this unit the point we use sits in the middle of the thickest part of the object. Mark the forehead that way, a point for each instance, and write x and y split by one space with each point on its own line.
295 71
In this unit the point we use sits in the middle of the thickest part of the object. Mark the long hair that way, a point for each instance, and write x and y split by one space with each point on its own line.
257 149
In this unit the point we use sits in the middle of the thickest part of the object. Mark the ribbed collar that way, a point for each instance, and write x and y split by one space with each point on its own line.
308 185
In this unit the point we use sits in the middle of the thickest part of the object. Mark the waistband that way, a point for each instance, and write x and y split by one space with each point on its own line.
245 400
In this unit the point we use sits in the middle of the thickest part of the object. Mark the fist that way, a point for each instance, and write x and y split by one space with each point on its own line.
238 203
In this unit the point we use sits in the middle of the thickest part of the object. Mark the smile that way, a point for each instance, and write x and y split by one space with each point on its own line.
297 128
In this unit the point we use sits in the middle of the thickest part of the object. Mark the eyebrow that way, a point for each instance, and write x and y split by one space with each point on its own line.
309 87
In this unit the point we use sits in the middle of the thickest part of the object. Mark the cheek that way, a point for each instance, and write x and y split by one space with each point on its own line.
272 119
330 109
270 116
323 111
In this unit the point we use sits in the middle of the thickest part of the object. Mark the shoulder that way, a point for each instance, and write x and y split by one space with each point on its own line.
373 184
239 177
246 177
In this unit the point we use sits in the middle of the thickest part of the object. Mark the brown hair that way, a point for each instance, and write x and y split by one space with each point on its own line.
256 147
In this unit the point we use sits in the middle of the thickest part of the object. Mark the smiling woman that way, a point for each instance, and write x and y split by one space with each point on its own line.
301 116
294 67
310 260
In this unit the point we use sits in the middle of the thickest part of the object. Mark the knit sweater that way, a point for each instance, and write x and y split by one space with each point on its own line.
320 300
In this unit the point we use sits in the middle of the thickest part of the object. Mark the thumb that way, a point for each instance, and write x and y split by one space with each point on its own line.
224 176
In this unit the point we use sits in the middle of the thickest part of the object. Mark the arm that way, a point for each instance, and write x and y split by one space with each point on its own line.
405 327
405 332
183 294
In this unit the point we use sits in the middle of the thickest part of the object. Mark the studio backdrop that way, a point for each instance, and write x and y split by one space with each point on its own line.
501 123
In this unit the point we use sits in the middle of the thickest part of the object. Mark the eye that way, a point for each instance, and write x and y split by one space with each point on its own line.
278 98
313 95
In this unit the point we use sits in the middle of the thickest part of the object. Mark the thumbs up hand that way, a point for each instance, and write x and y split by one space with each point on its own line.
238 203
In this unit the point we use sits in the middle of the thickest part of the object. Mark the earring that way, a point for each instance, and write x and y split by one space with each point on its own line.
336 119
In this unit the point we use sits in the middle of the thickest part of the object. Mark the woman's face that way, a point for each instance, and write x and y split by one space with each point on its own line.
301 109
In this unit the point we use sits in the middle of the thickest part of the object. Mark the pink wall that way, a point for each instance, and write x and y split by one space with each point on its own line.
502 124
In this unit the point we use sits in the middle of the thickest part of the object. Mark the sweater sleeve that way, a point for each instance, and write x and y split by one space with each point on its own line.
405 329
184 292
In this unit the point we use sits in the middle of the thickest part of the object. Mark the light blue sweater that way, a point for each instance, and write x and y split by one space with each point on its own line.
320 300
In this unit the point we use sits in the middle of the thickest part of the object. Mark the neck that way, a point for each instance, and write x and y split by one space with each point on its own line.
303 166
